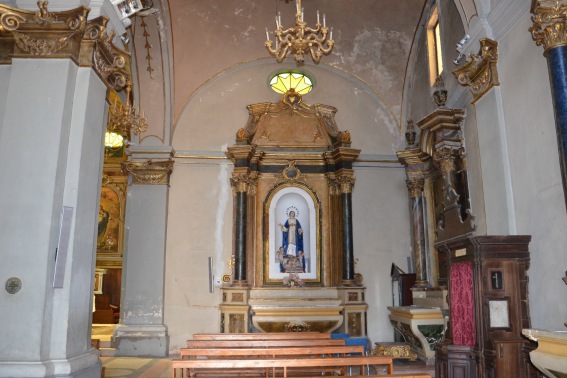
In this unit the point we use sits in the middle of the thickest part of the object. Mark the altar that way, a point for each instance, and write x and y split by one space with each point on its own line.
293 250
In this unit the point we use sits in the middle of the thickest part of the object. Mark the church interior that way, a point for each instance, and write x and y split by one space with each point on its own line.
392 173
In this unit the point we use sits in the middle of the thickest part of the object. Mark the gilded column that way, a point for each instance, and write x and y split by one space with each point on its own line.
415 188
444 158
243 183
346 182
550 30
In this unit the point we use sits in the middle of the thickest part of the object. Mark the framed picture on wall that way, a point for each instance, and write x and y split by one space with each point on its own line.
293 233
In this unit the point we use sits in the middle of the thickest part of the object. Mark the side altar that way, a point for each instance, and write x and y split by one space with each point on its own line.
293 254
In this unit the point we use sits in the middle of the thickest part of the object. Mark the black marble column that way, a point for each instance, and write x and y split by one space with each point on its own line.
240 237
348 254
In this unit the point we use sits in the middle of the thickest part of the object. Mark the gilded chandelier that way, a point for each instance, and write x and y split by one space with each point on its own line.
123 119
300 39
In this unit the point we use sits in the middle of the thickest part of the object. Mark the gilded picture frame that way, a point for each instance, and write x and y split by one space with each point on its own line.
111 214
292 237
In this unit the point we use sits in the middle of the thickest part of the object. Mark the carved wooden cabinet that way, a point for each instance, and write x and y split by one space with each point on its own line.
488 302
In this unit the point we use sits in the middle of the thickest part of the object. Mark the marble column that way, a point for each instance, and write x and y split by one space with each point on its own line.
346 183
52 122
415 188
141 331
242 183
549 30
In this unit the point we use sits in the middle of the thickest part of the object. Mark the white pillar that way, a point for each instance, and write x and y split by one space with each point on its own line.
141 331
51 150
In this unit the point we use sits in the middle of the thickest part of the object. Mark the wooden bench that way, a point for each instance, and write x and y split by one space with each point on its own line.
298 352
262 336
278 367
263 343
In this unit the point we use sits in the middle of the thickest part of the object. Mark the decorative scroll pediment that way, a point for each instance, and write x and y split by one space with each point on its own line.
292 123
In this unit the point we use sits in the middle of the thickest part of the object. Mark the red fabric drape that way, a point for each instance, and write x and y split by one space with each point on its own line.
462 304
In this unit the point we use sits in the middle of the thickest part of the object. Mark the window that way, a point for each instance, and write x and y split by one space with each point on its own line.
435 53
283 81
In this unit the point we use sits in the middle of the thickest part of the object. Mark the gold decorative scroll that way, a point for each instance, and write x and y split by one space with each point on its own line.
480 73
149 172
415 187
396 350
63 35
549 20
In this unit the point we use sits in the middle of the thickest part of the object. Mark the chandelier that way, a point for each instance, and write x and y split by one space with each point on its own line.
123 119
301 39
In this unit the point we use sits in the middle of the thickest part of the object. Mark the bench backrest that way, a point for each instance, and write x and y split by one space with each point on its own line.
262 343
272 352
283 363
262 336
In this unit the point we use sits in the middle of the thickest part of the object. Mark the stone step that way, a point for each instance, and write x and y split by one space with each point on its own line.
107 352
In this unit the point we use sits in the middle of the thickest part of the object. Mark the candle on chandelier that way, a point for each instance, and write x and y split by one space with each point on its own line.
324 23
267 35
331 36
279 20
297 5
317 16
302 14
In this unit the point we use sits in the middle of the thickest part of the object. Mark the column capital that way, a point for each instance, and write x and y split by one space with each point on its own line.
480 73
415 187
244 180
342 183
549 19
149 172
444 158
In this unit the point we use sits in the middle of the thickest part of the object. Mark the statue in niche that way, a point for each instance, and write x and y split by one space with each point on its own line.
291 254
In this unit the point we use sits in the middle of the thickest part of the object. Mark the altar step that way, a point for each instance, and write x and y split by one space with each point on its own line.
402 366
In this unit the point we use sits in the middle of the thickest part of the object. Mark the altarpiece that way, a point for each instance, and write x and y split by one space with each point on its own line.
293 242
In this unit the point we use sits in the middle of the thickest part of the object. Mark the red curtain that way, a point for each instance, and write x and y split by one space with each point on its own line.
462 304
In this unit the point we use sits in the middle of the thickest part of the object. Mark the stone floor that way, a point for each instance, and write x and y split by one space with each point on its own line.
133 367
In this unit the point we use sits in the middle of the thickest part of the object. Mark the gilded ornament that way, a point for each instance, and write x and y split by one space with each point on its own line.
150 172
480 73
415 187
346 183
291 172
549 24
410 135
395 350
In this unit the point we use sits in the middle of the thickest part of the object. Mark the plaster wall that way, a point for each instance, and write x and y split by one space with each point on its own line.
200 185
534 164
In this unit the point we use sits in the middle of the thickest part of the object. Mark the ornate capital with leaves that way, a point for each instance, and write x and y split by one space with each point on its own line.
149 172
415 187
444 158
549 23
244 182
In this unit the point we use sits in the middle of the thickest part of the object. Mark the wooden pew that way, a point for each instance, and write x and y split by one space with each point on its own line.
277 367
318 351
263 343
262 336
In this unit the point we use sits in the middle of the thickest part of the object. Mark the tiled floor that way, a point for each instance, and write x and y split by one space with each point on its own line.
131 367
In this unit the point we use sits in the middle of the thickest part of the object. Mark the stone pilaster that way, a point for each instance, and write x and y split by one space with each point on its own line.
141 331
550 31
63 138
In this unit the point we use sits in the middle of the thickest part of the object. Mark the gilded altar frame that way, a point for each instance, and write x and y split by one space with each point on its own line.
281 200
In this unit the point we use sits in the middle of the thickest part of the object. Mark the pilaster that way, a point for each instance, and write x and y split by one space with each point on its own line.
141 331
58 107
